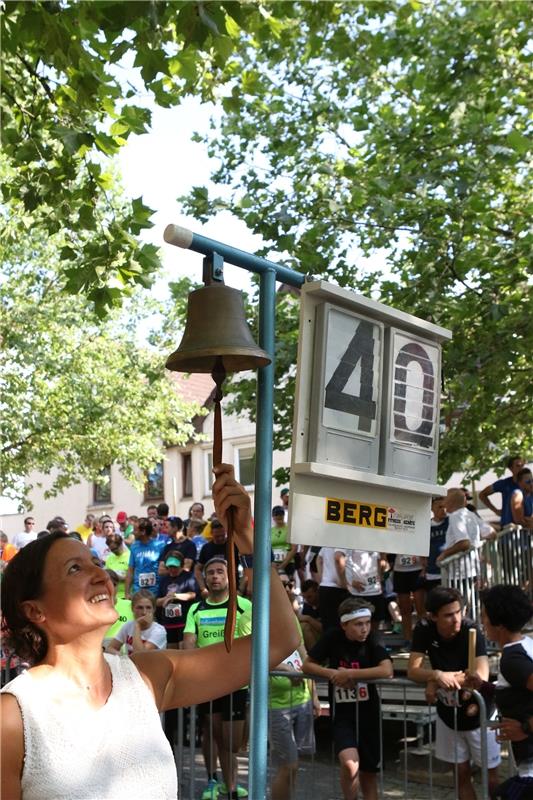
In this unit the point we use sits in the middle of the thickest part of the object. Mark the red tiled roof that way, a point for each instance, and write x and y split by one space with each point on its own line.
194 387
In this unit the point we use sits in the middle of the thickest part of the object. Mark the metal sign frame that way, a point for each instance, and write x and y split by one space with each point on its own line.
343 493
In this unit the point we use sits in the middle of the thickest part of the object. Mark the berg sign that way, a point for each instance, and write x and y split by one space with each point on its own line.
364 456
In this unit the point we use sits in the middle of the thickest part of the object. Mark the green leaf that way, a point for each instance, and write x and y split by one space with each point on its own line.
107 144
232 27
118 127
136 118
519 142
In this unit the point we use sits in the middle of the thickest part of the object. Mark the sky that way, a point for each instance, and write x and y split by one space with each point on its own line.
161 166
165 164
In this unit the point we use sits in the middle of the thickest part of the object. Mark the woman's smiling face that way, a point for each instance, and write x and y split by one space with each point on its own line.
77 593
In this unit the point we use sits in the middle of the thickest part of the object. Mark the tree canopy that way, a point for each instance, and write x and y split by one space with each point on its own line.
399 129
350 129
73 77
76 394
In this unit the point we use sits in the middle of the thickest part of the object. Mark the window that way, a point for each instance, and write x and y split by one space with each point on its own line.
186 475
154 488
245 465
102 487
209 477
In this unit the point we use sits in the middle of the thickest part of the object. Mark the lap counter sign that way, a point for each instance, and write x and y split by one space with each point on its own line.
366 424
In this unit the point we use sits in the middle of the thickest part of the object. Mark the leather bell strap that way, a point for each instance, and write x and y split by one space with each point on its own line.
218 374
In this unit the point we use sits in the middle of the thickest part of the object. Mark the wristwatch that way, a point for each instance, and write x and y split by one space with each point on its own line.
526 727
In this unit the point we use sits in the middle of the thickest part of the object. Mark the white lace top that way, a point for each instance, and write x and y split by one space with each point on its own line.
117 752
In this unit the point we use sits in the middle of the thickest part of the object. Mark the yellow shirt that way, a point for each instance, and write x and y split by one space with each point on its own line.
84 531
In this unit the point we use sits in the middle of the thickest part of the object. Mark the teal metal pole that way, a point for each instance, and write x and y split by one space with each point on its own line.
183 237
269 272
262 524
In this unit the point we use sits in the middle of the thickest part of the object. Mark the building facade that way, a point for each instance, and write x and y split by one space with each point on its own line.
182 477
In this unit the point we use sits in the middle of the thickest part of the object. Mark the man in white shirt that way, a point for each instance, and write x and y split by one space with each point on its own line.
332 589
29 534
463 534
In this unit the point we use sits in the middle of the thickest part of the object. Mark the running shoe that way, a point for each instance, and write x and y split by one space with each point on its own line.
223 791
211 790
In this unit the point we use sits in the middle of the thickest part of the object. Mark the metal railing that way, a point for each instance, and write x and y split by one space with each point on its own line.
406 726
505 558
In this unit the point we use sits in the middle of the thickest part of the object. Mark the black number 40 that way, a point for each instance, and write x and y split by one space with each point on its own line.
363 406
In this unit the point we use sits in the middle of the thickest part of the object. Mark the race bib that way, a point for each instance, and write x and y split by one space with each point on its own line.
147 579
408 561
372 581
294 661
173 610
357 693
279 555
449 697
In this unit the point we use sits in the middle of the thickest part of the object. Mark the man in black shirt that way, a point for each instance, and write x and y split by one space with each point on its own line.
178 541
444 639
505 611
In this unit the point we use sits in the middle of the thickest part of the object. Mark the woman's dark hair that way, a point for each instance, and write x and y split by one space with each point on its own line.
145 526
197 503
442 596
23 580
507 606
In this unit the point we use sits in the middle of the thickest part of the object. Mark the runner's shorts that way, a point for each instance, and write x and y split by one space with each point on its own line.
291 733
231 706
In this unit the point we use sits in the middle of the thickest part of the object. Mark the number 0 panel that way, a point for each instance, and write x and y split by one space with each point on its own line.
345 406
411 412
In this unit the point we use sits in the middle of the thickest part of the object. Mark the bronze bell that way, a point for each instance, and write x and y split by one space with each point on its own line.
216 328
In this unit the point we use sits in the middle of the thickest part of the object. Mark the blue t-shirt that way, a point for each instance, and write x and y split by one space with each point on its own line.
144 559
198 542
527 503
437 537
506 486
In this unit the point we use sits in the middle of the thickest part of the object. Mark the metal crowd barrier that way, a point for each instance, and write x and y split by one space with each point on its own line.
505 558
401 703
408 768
509 558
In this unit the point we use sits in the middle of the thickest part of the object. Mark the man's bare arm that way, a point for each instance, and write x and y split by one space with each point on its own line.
484 497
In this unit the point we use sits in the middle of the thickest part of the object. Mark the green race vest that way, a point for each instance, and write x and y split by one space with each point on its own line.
206 620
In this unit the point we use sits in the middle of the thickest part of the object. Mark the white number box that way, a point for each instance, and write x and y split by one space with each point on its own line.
366 424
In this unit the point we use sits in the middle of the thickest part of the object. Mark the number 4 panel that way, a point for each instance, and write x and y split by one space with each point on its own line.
345 407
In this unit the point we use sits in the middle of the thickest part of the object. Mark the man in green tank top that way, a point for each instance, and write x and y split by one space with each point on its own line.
227 715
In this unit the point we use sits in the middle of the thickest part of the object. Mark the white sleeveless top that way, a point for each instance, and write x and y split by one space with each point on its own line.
116 752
